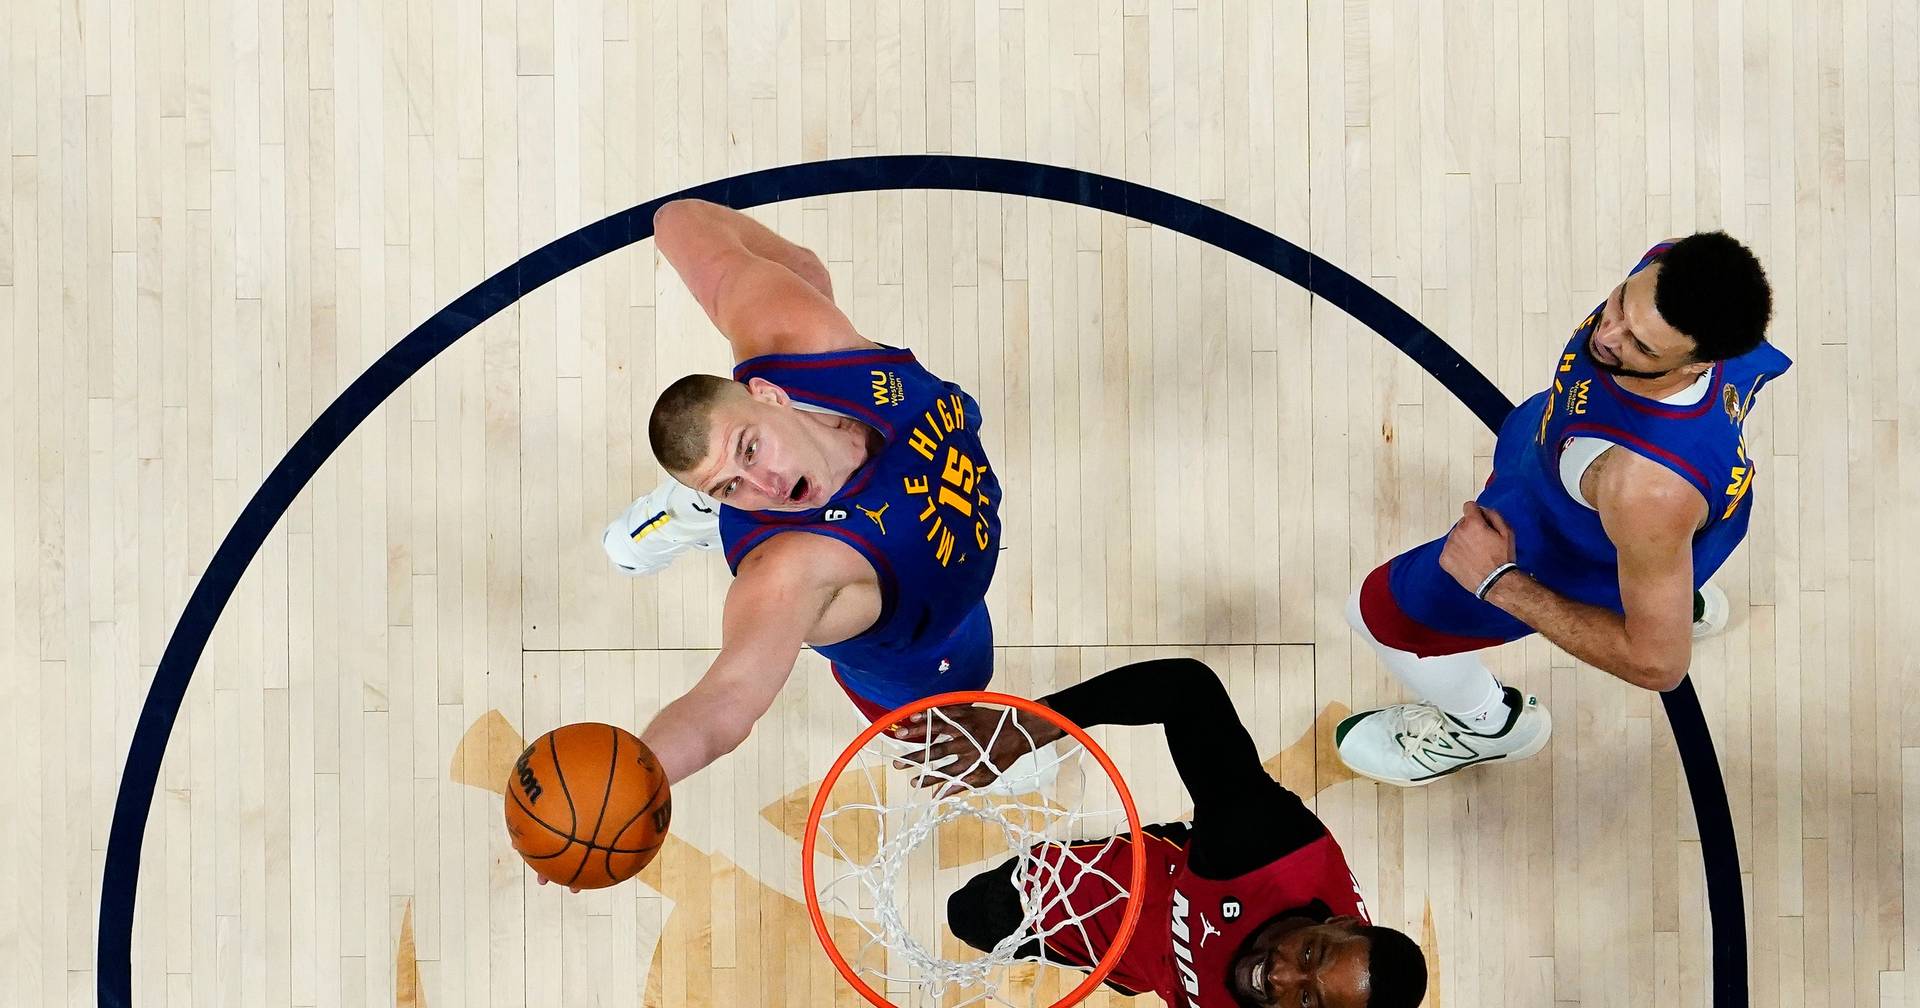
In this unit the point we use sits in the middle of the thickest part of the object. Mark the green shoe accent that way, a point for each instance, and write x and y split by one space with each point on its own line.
1346 725
1699 606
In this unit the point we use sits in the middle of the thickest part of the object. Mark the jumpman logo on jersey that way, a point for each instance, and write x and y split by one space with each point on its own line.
875 515
1207 930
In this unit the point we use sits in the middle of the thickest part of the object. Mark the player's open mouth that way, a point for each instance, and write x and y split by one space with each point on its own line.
799 491
1252 973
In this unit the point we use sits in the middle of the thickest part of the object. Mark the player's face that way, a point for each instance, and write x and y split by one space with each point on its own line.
1631 340
764 455
1296 963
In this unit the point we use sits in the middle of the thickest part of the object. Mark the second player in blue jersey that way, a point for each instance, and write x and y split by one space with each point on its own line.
1616 492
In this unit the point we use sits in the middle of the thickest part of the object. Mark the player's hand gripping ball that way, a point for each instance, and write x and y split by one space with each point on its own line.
587 806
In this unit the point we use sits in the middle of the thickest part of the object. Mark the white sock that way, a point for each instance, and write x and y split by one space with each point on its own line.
1460 684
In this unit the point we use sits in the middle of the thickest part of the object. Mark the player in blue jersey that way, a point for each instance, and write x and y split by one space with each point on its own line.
847 484
1616 492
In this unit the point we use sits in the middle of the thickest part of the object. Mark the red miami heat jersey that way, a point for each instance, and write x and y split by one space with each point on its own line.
1191 927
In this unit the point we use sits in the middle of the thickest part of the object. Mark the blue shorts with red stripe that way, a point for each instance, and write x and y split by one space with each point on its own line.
1412 604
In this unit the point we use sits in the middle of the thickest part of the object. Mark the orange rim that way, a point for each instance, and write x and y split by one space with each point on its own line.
1136 883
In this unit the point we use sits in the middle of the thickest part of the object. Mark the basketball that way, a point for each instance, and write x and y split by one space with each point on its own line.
587 805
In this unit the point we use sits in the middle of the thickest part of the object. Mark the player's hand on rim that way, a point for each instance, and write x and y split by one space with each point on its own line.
982 740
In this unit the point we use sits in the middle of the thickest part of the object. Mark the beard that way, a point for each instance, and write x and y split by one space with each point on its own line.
1622 372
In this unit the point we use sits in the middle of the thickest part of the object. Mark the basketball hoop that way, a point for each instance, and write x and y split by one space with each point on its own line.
881 836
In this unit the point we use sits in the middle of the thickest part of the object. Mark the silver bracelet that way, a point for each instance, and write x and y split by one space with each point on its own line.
1498 573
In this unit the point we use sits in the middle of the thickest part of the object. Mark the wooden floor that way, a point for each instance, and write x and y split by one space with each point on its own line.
214 214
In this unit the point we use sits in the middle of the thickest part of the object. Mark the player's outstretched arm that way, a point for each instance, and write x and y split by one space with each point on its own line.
764 293
771 608
1650 514
1243 818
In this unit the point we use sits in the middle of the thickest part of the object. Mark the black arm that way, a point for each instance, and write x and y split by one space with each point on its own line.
1242 817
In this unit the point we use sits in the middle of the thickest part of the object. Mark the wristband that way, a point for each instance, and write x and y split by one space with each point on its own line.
1498 573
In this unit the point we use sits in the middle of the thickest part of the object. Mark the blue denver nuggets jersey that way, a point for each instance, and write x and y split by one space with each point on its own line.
924 511
1560 541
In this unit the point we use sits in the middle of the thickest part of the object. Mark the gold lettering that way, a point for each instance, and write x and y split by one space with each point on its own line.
959 471
921 442
955 501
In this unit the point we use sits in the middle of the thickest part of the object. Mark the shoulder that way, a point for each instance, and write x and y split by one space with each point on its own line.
800 559
1637 492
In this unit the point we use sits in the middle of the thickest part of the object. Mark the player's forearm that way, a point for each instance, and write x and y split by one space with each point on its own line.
1211 749
690 733
1594 635
755 237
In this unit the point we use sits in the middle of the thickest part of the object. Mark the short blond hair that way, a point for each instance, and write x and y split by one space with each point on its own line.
683 418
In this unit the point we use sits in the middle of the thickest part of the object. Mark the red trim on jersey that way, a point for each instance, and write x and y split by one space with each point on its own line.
853 409
867 708
1643 445
1654 407
882 567
1390 625
753 368
861 477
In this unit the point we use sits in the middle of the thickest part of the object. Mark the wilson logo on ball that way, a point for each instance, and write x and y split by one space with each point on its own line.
528 782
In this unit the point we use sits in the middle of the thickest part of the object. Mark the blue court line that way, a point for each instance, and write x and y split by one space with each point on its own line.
1718 847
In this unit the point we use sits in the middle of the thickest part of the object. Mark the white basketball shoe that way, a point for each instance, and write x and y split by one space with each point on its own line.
1711 611
659 527
1417 743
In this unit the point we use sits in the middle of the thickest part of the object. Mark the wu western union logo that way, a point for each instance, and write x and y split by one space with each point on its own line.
887 390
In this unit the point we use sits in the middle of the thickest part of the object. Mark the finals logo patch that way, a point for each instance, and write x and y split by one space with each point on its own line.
1730 401
887 389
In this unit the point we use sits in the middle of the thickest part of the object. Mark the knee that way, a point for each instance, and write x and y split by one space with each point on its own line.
1358 603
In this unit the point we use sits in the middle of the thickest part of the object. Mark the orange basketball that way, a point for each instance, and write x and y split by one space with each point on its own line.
587 805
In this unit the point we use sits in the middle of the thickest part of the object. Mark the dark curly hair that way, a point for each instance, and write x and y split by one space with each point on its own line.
1712 289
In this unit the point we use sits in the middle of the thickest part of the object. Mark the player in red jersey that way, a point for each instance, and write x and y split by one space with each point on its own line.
1252 904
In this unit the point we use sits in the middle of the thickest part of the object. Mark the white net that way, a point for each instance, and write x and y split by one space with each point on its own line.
891 852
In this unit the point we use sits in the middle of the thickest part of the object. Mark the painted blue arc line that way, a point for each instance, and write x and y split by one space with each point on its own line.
772 185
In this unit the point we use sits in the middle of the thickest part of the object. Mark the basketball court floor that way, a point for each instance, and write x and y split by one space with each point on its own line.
216 215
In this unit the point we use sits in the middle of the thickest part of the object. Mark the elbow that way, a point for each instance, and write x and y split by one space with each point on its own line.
1661 677
727 736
